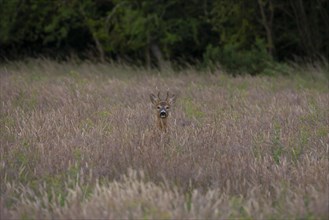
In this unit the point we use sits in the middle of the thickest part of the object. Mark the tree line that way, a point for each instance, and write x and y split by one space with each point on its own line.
241 35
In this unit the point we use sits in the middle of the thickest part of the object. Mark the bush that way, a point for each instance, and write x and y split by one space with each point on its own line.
238 61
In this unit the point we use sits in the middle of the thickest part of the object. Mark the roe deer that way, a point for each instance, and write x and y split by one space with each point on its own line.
162 108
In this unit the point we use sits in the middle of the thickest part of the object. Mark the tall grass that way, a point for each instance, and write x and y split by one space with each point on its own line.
80 141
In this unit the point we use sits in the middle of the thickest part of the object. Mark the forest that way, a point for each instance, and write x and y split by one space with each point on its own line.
240 36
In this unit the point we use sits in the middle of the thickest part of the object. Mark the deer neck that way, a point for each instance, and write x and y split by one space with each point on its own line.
162 123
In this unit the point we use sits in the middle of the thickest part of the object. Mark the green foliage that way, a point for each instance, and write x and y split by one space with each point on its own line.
233 59
233 34
233 21
8 8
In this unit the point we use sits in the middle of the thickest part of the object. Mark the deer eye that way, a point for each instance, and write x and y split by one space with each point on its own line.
158 107
167 107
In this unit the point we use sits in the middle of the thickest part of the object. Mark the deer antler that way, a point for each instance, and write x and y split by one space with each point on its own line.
167 96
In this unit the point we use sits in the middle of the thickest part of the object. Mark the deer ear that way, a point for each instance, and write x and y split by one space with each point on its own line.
154 99
172 99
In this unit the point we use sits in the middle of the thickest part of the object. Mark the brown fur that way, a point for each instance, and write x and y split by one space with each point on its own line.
164 108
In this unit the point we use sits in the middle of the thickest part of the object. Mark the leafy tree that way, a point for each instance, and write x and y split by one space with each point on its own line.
241 36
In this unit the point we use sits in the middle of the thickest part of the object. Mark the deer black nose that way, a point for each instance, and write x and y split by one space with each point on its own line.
163 114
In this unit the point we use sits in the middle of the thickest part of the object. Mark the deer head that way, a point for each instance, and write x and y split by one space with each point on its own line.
162 108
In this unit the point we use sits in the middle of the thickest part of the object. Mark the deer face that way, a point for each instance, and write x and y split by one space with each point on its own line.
161 106
163 109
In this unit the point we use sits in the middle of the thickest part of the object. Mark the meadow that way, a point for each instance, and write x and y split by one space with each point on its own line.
79 140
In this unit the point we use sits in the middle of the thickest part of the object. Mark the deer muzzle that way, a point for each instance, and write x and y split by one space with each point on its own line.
163 113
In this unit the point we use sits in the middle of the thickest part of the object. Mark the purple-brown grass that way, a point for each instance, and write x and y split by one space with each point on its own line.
80 141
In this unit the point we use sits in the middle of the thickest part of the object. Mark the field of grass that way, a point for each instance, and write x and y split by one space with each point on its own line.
80 141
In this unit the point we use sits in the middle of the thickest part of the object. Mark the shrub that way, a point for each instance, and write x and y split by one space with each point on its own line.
238 61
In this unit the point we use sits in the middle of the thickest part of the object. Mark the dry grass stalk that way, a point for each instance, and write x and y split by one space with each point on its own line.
237 147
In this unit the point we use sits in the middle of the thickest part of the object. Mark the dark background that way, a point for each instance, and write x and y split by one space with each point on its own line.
241 36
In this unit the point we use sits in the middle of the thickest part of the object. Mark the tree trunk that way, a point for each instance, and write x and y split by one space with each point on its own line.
99 48
267 22
147 53
158 55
